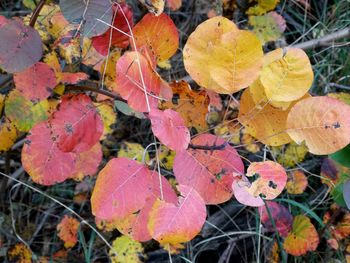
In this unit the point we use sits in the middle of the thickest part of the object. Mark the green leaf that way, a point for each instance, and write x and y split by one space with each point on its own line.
342 156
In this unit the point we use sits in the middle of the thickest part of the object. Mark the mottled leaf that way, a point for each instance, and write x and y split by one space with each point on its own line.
8 135
76 124
209 172
297 182
321 122
68 231
133 151
125 250
302 238
20 253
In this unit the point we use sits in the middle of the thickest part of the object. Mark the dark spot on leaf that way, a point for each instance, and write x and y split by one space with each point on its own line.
68 128
272 185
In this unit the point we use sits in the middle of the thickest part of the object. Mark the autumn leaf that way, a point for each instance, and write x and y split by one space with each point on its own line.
288 76
325 129
297 182
268 181
20 46
43 160
290 155
122 188
77 124
140 88
158 35
20 254
192 105
174 4
108 116
302 238
170 129
126 250
23 113
68 231
133 151
268 27
8 135
262 6
156 7
282 217
76 11
172 224
113 37
209 172
222 58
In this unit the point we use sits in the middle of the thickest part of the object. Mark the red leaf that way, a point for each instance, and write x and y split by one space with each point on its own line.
174 224
3 21
129 82
71 78
158 35
103 42
281 215
170 129
43 160
121 189
37 82
20 46
210 173
77 124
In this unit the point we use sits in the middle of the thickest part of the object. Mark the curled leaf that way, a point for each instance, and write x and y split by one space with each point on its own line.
68 231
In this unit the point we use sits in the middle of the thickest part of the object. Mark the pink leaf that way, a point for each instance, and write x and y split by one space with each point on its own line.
72 78
130 84
37 82
210 173
178 223
121 189
170 129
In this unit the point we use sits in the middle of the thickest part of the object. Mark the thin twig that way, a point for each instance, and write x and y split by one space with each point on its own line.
327 39
36 13
209 147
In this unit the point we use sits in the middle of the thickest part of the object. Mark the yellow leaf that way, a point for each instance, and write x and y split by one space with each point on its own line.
288 77
109 117
20 254
290 155
262 7
8 135
109 72
133 151
222 58
2 102
126 250
297 182
166 157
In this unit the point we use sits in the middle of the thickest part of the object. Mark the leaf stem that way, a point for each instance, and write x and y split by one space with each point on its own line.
36 13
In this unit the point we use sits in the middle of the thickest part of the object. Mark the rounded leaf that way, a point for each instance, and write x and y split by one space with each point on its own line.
302 238
322 122
77 124
87 13
121 189
280 214
68 231
43 160
170 129
222 58
129 82
288 77
209 172
269 180
178 223
37 82
297 182
20 46
158 35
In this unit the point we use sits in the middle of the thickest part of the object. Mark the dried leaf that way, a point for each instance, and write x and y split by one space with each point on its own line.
68 231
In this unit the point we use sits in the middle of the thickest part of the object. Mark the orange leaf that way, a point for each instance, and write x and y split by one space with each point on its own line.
68 231
20 254
297 182
158 35
322 122
303 237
